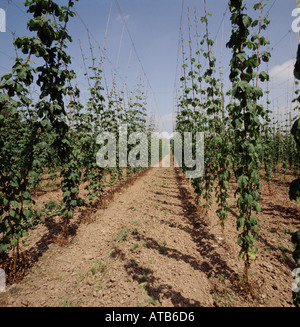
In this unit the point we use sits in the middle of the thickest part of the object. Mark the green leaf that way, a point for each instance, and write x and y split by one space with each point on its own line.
239 240
3 247
12 213
15 204
14 242
242 56
258 208
247 20
27 213
243 181
241 222
253 220
235 5
73 203
14 183
264 76
26 195
27 202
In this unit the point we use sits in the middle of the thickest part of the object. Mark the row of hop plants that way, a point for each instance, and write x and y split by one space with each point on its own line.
243 143
280 155
294 192
54 133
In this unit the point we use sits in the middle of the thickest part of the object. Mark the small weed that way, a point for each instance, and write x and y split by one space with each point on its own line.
112 253
282 247
93 270
67 304
99 287
143 277
52 208
225 300
122 235
222 277
98 266
134 247
151 301
144 285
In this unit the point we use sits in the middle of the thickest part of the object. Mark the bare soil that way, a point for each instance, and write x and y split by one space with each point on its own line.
149 246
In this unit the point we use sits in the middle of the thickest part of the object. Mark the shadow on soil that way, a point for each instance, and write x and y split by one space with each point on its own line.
54 230
203 239
146 279
212 264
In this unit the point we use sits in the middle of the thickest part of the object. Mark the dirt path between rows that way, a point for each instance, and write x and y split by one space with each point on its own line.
151 247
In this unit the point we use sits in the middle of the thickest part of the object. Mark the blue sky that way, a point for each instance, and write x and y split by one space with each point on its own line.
154 29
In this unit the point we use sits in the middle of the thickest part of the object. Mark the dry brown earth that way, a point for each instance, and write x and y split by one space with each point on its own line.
151 247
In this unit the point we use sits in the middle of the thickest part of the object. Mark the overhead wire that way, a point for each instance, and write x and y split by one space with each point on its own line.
12 32
139 59
20 9
118 58
102 49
